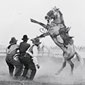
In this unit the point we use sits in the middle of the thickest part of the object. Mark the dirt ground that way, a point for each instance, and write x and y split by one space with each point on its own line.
46 75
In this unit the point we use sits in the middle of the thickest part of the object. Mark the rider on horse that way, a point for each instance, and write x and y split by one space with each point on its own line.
55 25
56 29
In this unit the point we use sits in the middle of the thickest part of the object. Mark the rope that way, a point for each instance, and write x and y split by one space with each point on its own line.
42 30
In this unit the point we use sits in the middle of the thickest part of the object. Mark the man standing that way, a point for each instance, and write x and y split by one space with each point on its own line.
34 50
11 61
26 58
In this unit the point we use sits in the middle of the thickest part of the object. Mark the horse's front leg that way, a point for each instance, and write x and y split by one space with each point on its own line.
40 23
43 35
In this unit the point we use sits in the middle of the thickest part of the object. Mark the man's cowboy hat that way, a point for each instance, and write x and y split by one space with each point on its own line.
25 37
36 41
13 40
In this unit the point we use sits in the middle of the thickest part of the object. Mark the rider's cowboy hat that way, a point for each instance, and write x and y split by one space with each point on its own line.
25 37
13 40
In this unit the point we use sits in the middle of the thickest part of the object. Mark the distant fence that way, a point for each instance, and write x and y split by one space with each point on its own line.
51 52
2 52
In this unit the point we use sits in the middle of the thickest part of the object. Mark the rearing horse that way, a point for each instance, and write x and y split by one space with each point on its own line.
55 27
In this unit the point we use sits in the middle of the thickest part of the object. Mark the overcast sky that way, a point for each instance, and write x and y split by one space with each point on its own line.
15 18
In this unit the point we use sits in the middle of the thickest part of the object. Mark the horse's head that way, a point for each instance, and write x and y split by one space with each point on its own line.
52 14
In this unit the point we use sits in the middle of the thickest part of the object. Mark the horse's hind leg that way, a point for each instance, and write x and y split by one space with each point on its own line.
63 66
72 65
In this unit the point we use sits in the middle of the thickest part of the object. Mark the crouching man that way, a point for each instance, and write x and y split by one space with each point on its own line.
26 59
13 62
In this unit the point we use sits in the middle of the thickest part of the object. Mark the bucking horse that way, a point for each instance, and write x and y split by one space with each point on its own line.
57 30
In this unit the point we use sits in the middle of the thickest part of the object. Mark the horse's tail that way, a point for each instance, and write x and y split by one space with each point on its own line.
79 58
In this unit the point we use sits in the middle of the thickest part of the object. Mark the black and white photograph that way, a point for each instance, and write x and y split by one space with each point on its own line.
42 42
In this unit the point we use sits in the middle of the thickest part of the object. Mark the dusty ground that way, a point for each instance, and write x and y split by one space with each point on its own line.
49 65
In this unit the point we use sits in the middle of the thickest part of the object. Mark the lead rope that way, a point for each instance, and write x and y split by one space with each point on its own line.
42 30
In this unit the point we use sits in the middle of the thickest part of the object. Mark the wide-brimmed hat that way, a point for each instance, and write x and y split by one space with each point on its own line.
13 40
36 41
25 37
